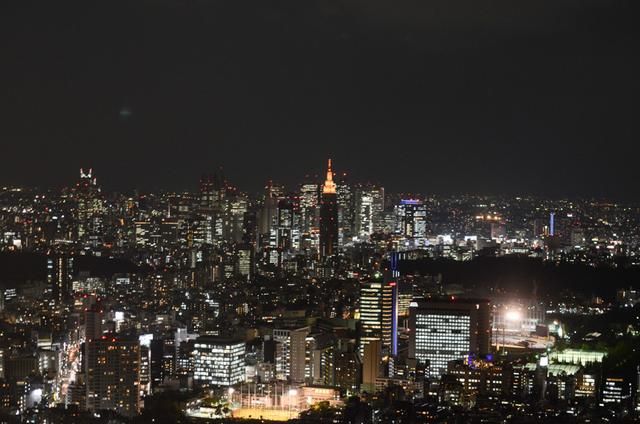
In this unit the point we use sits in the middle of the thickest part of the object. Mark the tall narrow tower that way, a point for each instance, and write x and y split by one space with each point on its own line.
328 217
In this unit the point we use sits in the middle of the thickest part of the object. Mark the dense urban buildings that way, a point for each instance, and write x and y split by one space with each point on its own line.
346 212
418 308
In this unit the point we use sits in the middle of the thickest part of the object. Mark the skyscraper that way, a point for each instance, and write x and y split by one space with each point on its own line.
285 221
309 206
59 275
411 219
369 209
446 329
328 217
268 216
346 210
376 312
89 207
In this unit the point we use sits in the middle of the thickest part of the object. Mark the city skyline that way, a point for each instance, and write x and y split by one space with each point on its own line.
293 185
345 211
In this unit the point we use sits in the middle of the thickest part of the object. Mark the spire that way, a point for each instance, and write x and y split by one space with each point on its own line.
329 186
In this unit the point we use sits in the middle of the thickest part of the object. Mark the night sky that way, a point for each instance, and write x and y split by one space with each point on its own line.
429 96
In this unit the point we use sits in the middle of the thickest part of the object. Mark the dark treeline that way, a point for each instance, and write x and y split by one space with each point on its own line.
522 275
18 267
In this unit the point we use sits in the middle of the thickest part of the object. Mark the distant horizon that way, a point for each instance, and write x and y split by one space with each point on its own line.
292 187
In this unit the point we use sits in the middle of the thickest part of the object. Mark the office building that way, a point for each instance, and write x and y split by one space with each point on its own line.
218 361
89 207
285 224
346 209
291 353
309 201
411 219
369 210
376 312
447 329
59 276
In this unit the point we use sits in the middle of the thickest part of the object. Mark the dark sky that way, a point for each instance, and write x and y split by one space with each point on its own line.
431 96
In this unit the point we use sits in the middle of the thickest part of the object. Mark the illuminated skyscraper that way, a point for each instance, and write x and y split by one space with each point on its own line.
328 217
89 207
207 208
268 217
376 312
346 210
59 276
235 208
411 219
369 208
309 206
285 221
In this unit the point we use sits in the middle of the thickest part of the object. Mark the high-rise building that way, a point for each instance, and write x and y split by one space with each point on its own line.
233 222
92 324
218 361
221 210
291 356
411 219
443 330
328 217
376 312
346 209
339 365
244 261
209 194
113 375
369 210
162 359
285 220
59 276
268 219
89 207
309 200
371 361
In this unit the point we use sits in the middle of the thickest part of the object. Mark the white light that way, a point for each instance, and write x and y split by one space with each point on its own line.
544 361
293 392
513 315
